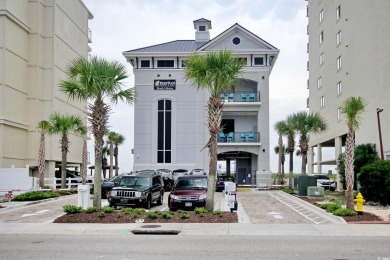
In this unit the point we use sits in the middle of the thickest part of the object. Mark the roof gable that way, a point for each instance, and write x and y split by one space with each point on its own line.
248 41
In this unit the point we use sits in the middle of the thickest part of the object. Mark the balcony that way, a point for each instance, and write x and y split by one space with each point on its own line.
241 96
239 137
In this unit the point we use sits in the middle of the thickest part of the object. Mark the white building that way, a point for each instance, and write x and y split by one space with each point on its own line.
349 55
38 38
170 128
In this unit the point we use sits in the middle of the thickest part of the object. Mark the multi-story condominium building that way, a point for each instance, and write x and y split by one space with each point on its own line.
170 116
349 55
38 39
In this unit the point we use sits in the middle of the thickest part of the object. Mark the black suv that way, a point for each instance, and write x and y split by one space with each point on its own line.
143 188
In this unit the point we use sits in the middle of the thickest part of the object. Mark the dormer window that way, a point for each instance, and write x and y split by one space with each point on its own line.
145 63
165 63
258 61
202 28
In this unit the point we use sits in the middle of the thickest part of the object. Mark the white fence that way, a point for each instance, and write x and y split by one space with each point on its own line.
55 183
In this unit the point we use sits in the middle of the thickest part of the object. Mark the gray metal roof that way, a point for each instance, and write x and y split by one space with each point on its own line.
174 46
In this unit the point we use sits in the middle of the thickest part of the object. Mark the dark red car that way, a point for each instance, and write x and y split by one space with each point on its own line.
188 192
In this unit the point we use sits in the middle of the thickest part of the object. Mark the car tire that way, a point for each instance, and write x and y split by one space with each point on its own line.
148 203
112 205
160 200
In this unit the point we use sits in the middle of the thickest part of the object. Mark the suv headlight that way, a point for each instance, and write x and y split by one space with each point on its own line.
113 192
203 196
137 194
174 197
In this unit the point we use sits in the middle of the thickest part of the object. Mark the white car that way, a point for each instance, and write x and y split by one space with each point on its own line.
326 182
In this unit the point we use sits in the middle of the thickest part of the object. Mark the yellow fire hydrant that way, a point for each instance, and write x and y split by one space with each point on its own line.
359 203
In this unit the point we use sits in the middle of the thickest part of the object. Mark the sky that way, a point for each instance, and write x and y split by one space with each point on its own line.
121 25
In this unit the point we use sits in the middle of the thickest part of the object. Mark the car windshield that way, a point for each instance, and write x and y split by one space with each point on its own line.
189 183
115 179
135 181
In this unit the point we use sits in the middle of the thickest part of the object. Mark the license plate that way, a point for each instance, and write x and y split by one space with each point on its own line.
188 204
124 200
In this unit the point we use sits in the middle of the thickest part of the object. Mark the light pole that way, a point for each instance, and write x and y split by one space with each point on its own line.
378 110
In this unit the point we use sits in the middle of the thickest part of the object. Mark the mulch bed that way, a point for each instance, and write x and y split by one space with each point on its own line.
120 218
364 217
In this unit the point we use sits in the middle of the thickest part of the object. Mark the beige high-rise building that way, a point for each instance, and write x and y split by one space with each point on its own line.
38 38
349 55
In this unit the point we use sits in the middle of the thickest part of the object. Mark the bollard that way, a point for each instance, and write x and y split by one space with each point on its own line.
359 203
9 196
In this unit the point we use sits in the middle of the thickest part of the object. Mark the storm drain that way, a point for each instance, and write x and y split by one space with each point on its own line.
153 230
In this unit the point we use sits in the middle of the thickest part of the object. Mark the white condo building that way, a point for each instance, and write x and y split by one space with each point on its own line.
170 116
349 55
38 39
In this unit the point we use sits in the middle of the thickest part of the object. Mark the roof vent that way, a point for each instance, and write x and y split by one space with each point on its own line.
202 27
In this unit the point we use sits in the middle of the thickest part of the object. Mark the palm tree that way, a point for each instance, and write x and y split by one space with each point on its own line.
110 140
306 123
284 150
280 128
44 127
118 141
64 125
105 151
352 108
215 72
100 82
290 133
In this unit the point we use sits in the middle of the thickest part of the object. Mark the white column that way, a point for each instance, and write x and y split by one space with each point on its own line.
319 158
338 145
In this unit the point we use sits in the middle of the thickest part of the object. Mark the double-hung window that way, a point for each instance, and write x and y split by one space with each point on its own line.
164 131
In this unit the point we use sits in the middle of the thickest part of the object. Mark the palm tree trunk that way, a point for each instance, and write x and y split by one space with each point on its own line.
41 160
303 146
111 160
116 160
291 145
84 162
349 161
214 108
280 144
64 149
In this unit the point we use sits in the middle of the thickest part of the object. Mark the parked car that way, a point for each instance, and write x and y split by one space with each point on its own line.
167 178
197 172
179 172
189 191
326 182
109 184
140 189
220 182
74 175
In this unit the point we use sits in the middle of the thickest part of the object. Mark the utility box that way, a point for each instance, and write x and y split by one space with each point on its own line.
83 196
315 191
230 196
305 181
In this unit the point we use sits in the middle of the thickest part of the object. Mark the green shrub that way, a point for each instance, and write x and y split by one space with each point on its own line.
101 215
375 182
91 209
185 215
217 212
36 195
201 215
71 209
139 210
136 215
200 210
127 210
152 215
108 209
46 187
119 215
344 212
331 206
287 190
65 192
166 215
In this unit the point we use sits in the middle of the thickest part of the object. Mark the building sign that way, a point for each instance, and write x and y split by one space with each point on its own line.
167 84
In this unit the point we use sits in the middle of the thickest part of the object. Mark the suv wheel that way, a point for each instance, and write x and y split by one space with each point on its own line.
112 205
148 203
160 200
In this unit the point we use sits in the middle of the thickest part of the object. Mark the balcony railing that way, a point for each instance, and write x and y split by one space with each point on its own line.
241 96
239 137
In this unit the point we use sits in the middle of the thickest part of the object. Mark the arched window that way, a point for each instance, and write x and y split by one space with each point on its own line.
164 131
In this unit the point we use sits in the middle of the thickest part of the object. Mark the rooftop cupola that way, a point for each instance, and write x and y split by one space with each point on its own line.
202 27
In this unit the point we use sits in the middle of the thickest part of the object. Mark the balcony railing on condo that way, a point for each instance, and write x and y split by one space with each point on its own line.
239 137
241 96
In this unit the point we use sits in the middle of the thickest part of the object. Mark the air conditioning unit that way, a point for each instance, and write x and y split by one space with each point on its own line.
313 191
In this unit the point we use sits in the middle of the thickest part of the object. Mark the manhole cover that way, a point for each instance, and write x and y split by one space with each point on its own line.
150 226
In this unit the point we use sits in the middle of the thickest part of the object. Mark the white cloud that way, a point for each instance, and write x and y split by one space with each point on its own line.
121 25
